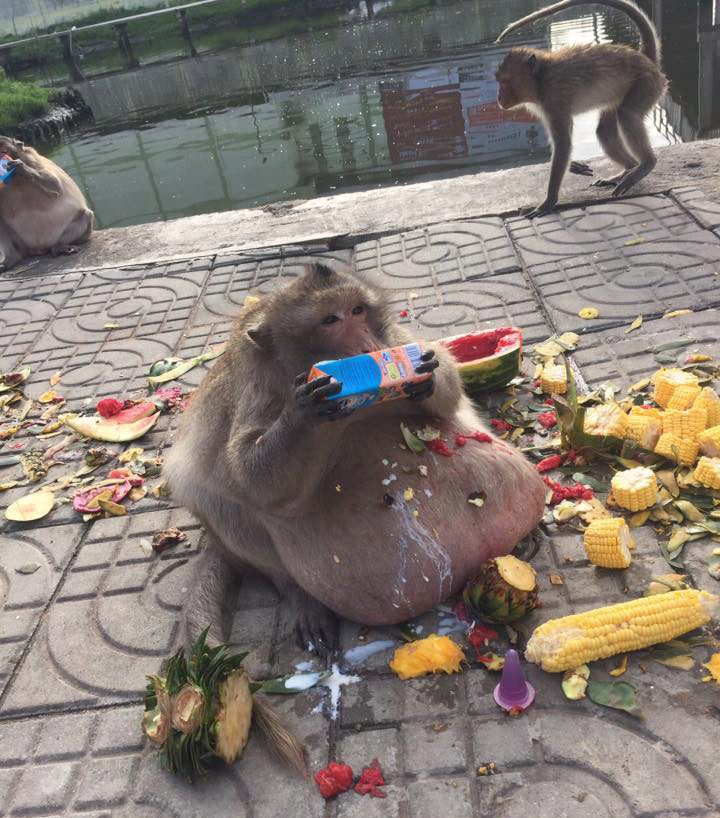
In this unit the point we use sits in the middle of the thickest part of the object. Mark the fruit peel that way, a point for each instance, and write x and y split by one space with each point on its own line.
109 431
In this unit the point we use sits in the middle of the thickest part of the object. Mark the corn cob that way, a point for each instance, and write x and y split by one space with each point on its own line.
687 424
710 402
687 449
553 380
642 412
707 472
607 419
635 489
644 430
607 542
709 441
571 641
684 396
667 380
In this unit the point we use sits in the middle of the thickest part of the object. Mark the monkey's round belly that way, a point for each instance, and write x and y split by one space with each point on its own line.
384 543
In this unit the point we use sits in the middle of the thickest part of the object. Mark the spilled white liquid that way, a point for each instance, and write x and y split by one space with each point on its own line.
334 683
361 653
302 681
415 539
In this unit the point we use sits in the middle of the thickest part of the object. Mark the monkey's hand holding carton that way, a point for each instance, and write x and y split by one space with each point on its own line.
6 172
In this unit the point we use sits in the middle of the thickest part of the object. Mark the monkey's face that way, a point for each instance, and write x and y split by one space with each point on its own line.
517 79
344 326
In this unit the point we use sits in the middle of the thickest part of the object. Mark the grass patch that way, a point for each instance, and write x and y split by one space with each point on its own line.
20 101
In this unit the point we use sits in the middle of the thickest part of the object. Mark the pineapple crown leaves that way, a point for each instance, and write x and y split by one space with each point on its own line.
207 668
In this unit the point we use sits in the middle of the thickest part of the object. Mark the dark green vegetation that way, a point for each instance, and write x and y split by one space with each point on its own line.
20 101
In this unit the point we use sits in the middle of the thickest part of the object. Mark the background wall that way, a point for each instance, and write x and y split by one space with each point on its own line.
22 16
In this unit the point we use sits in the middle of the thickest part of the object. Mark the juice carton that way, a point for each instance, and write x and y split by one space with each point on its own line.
373 376
5 172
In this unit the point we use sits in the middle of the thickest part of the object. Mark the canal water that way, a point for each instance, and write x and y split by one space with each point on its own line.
360 102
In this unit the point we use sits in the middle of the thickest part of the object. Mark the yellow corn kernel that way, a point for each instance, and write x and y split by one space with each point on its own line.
667 380
635 489
708 399
684 396
606 419
571 641
686 423
707 472
642 412
644 430
608 542
687 449
553 380
709 441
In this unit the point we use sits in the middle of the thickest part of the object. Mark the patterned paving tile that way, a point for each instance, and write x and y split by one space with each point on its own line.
24 596
452 309
96 764
438 255
654 282
700 207
626 226
614 356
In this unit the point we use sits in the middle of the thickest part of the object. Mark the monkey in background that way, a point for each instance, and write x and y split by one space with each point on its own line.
42 210
300 488
623 83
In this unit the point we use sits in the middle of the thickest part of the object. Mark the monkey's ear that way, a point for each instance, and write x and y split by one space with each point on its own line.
260 335
533 65
319 270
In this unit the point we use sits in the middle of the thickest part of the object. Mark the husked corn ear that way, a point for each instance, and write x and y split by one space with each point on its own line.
667 380
608 542
635 489
607 419
686 448
684 396
571 641
710 402
709 441
642 412
553 380
644 430
707 472
685 423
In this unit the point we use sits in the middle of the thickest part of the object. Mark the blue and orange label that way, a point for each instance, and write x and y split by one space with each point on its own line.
373 376
5 172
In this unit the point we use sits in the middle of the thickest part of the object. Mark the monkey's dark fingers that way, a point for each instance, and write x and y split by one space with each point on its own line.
307 389
420 391
301 379
580 168
333 411
319 395
429 366
428 355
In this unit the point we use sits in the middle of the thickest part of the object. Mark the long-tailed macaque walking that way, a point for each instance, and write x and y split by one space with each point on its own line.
623 83
42 210
331 505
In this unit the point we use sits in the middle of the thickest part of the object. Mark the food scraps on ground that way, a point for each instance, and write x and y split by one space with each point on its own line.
200 708
371 779
433 654
98 428
608 542
565 643
166 538
31 507
503 590
574 682
334 779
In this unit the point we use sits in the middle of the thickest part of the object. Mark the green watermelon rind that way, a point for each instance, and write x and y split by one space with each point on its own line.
491 373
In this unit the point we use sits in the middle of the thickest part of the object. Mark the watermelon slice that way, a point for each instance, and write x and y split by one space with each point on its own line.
137 412
31 506
486 360
98 428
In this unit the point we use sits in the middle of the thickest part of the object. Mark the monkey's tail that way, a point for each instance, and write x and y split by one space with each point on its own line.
649 42
282 743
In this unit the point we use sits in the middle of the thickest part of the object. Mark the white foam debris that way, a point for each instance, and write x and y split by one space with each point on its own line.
389 479
304 666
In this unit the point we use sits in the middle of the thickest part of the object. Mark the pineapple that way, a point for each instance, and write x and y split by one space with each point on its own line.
199 709
504 590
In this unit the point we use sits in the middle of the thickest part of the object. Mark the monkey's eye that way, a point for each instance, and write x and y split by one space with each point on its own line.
358 310
329 319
